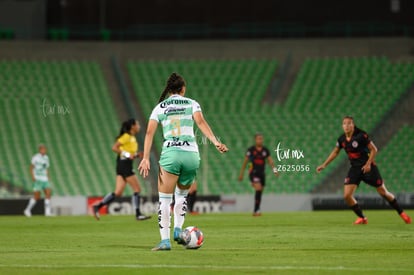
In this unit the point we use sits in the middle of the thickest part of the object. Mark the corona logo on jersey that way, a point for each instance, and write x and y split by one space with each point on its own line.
174 101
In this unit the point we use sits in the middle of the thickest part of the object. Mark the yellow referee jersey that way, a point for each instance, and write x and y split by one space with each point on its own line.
128 143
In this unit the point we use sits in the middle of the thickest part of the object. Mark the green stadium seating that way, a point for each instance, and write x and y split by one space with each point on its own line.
394 163
328 89
79 142
231 93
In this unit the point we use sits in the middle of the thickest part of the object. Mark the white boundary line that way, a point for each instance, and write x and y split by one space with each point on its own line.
209 267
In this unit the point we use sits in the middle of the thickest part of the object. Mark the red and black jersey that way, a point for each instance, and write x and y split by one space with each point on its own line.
257 159
356 147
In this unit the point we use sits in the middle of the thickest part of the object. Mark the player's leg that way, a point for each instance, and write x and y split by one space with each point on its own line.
373 178
172 204
190 164
110 197
349 190
258 187
134 183
392 200
350 185
32 202
258 183
48 207
388 196
166 185
191 198
180 210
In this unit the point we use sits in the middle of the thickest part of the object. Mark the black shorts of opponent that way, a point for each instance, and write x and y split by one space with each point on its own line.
257 178
356 175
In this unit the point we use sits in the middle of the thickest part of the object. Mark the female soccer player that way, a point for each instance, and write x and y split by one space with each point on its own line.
39 169
361 153
180 158
126 148
257 156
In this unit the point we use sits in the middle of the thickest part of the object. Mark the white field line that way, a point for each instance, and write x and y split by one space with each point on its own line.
206 267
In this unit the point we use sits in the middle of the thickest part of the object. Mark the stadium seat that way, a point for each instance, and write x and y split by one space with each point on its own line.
231 93
34 95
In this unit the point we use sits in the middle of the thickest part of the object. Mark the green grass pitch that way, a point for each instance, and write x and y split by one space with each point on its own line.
282 243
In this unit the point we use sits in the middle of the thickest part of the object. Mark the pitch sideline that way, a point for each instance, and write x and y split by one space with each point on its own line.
198 267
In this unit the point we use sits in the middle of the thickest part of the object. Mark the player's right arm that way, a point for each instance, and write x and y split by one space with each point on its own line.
246 159
330 158
116 147
144 166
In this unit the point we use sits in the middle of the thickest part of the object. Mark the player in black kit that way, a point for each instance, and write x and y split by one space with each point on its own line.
361 153
257 156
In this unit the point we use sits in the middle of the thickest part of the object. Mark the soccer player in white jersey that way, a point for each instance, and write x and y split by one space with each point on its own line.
180 159
39 170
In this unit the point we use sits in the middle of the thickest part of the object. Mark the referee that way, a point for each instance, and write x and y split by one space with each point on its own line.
126 148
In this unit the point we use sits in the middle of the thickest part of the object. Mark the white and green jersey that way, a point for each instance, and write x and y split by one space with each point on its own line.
40 165
176 117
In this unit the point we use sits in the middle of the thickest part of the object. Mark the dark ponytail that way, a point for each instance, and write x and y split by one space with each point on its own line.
126 127
174 85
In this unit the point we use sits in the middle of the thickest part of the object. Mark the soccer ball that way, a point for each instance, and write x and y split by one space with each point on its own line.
193 237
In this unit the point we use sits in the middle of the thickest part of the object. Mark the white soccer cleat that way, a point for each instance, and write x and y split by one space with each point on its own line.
27 213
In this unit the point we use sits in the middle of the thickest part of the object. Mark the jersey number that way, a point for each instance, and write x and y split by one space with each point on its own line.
176 130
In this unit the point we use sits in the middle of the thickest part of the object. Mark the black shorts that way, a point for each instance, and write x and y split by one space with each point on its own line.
355 175
124 167
257 178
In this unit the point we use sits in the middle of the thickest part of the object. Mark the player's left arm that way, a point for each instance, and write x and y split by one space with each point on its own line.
272 164
372 153
206 130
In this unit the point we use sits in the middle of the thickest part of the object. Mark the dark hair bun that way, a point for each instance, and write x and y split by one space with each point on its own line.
174 85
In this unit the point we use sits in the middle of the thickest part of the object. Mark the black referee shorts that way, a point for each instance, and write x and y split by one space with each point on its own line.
356 175
124 167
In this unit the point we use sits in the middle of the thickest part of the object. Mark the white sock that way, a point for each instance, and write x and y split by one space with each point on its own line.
164 217
31 204
48 210
180 207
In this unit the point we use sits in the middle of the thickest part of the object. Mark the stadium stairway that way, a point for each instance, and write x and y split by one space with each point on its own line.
131 107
